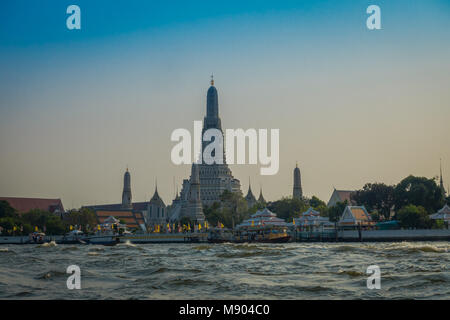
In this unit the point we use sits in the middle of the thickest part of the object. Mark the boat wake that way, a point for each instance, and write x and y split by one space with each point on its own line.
48 244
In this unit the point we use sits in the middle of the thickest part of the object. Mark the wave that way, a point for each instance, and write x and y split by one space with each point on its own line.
128 243
70 248
51 275
47 244
187 282
351 273
416 248
345 248
246 254
160 270
203 247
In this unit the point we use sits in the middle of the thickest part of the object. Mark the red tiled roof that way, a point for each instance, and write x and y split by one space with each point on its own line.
23 205
138 206
345 195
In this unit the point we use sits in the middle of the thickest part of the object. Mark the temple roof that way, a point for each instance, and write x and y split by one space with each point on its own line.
261 198
156 199
23 205
263 217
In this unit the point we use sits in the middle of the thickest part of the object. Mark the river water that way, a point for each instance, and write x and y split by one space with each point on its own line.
409 270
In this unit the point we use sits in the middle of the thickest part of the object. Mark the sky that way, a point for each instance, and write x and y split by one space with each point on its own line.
352 105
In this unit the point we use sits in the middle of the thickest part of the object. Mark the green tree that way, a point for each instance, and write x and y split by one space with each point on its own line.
412 216
7 223
418 191
6 211
213 214
319 205
375 197
235 206
83 217
44 220
336 211
288 208
54 225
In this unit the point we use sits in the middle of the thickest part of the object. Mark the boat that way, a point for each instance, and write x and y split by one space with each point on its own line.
104 239
169 237
263 226
263 234
73 237
37 237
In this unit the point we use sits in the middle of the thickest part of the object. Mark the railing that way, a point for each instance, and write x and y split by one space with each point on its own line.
313 236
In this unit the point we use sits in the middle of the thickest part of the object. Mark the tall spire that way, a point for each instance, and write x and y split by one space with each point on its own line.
251 200
441 181
212 119
261 197
212 108
156 185
297 191
126 193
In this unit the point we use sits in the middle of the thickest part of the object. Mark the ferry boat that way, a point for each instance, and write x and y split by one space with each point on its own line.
263 234
73 237
185 237
263 226
104 239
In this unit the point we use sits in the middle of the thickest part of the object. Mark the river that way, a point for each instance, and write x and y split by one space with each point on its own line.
409 270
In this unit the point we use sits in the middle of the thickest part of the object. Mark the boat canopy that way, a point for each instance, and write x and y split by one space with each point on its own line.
263 217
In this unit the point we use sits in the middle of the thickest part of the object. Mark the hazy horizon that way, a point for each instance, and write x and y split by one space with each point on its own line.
353 106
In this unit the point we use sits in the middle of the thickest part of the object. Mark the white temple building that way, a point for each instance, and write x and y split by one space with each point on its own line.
442 214
311 219
263 217
355 216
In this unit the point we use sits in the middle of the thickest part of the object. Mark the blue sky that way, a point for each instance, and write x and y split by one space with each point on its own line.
79 106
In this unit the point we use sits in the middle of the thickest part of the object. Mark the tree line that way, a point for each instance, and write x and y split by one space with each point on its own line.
13 223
